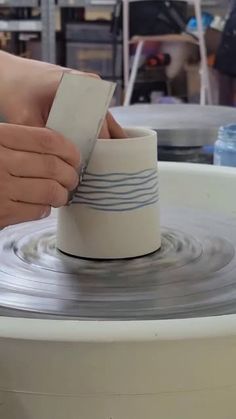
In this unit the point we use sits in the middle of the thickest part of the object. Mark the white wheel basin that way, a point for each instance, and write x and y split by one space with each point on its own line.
164 369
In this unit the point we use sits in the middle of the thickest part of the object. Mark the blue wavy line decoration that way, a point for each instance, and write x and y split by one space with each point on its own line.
118 191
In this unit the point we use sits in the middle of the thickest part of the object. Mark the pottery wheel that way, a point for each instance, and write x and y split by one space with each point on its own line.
194 273
178 125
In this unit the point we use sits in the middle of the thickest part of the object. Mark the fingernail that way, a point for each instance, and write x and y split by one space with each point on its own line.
75 72
71 196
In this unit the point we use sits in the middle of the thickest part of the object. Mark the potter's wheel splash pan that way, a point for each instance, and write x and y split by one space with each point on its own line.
193 275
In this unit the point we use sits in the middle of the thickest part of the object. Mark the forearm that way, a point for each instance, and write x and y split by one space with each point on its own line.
8 69
22 82
8 62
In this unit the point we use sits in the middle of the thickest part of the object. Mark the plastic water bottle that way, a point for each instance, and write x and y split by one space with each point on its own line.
225 146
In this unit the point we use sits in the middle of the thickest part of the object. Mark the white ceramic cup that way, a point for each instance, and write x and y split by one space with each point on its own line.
115 212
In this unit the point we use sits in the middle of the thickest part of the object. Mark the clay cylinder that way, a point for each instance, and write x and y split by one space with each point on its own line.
115 211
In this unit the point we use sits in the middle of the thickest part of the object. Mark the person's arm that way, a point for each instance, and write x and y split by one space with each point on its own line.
38 168
27 90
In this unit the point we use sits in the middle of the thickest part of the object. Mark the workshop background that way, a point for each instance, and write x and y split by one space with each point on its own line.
89 35
122 305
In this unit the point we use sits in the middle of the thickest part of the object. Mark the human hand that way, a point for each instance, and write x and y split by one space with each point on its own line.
27 91
37 171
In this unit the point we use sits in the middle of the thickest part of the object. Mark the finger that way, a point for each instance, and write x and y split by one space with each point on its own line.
114 128
39 140
104 133
33 165
21 212
38 191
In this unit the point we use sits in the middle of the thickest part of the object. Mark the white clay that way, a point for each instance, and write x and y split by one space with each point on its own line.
115 212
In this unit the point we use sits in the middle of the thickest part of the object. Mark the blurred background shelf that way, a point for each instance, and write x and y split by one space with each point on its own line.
20 26
19 3
22 18
77 33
